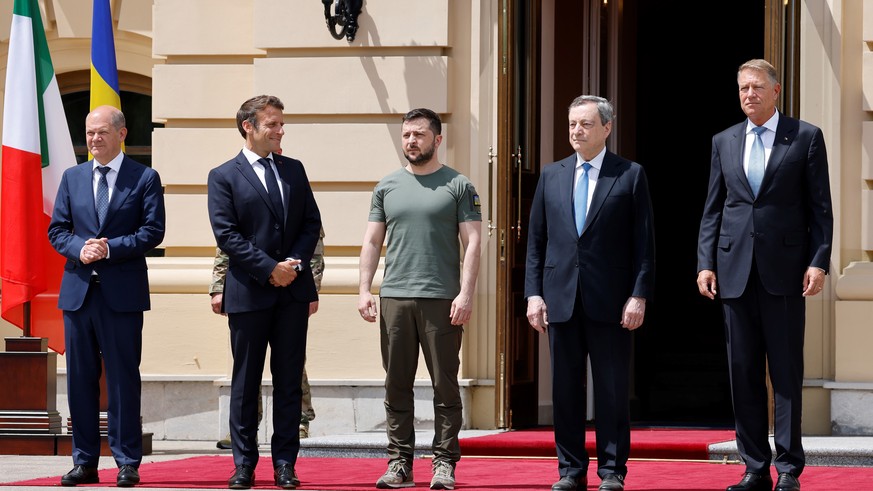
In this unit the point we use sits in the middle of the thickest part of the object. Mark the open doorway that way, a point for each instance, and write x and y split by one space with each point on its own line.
670 103
682 100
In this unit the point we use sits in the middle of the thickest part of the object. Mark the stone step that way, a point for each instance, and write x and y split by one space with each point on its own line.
848 451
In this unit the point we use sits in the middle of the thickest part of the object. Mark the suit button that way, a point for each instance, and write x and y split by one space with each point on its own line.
275 226
752 234
278 252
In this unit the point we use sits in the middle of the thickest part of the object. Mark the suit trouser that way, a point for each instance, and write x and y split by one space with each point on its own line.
97 336
763 329
407 323
283 328
307 412
608 345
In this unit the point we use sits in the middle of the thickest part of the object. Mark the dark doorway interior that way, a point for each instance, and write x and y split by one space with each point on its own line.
682 99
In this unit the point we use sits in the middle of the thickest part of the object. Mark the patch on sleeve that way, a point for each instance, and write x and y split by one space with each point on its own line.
475 202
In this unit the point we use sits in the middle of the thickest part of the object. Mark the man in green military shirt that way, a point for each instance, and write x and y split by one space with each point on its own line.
216 291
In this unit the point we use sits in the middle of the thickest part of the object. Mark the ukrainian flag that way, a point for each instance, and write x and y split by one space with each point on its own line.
104 71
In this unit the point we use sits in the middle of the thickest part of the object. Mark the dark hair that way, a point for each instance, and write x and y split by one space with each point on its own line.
249 110
436 125
604 107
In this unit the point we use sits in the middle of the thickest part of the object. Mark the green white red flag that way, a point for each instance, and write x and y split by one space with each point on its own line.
36 150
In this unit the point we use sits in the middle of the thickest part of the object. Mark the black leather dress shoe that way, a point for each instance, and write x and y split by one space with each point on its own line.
612 482
568 483
285 477
128 476
243 477
787 482
80 475
753 482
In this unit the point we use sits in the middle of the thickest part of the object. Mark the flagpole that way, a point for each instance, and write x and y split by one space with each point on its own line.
26 320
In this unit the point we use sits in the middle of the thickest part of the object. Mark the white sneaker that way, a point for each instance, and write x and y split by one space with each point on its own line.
397 476
443 476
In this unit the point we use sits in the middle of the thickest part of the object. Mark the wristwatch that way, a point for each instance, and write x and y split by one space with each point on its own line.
297 267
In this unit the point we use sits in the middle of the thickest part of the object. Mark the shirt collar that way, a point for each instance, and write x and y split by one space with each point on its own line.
252 157
114 164
596 162
771 124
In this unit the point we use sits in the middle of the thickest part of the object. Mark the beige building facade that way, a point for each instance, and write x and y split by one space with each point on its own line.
198 60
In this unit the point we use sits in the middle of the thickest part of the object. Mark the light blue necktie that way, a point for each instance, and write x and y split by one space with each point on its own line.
102 203
580 198
756 160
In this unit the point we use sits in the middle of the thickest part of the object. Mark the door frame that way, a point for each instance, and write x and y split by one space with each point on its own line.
517 143
519 158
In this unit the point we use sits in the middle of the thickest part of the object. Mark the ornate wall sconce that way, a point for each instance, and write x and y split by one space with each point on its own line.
343 22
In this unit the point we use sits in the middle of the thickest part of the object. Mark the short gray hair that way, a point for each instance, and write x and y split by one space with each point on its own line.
604 107
761 66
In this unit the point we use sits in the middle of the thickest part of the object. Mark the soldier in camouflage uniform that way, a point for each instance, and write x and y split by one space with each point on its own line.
216 290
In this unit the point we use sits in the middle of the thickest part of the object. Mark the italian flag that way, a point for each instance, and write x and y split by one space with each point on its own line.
36 150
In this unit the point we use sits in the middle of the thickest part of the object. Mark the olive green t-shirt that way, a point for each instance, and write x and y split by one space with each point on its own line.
422 214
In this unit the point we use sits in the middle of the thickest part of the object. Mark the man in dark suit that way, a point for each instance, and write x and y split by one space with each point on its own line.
109 212
265 218
590 272
766 231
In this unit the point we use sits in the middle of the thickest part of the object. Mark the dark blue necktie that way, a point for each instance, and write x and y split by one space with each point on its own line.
273 189
756 160
580 198
102 203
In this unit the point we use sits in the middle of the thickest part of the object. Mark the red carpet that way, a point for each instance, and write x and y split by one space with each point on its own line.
349 474
646 443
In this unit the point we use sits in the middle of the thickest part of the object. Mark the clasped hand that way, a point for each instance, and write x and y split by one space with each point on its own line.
94 250
284 273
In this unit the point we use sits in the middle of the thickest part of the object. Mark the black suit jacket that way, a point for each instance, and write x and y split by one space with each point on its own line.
787 228
252 235
615 255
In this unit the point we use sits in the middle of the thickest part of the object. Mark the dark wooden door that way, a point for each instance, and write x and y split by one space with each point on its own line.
517 175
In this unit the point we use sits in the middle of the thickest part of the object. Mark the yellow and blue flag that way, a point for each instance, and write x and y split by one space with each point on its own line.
104 71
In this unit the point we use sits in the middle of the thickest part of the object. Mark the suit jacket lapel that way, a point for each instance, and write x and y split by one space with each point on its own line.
248 173
605 181
565 192
124 183
84 183
786 131
285 183
733 161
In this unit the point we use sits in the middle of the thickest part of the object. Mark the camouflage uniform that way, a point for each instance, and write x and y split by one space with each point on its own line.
219 271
